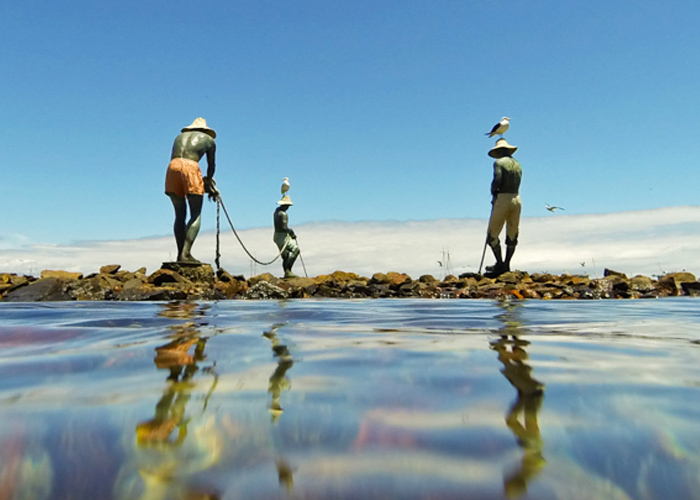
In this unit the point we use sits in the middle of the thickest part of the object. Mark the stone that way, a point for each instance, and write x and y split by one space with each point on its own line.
641 284
263 277
265 290
43 290
610 272
379 279
167 276
197 273
63 275
110 269
691 288
681 277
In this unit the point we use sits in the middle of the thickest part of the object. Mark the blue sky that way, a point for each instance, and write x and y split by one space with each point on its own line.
376 110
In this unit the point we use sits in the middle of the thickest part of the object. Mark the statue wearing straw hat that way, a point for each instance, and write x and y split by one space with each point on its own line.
185 185
284 237
505 187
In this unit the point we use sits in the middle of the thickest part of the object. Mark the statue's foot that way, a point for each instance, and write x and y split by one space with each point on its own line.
495 271
189 259
289 274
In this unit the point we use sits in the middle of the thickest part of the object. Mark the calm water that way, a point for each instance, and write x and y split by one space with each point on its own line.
373 399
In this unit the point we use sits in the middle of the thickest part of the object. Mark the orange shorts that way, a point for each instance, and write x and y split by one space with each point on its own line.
184 177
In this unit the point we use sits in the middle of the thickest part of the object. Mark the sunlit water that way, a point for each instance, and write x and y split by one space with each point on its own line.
373 399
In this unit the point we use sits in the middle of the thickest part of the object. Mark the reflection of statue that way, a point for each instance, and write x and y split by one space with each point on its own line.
278 381
170 409
284 237
184 183
512 354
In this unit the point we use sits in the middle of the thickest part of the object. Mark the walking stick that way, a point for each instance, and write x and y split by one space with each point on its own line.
483 254
486 243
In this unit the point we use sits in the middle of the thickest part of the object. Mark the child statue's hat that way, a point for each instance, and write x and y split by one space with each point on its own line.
502 144
285 201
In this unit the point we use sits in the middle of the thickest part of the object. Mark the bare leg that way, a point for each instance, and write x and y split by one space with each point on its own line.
179 226
195 203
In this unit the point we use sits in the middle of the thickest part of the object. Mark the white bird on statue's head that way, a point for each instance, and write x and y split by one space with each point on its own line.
500 128
285 185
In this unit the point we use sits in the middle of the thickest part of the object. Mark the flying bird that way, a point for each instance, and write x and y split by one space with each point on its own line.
500 128
551 208
285 185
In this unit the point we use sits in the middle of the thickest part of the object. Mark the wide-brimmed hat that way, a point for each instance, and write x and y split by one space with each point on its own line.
502 144
200 124
285 201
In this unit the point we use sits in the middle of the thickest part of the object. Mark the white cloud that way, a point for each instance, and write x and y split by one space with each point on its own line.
643 242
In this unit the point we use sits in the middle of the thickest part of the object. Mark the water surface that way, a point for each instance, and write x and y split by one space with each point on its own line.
371 399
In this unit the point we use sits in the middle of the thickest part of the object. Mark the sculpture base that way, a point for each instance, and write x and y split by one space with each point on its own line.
194 271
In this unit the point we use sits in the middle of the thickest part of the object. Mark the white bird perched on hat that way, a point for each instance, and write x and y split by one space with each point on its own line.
551 208
285 185
500 128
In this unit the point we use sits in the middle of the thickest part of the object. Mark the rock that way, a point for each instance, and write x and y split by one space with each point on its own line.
691 288
43 290
9 282
681 277
265 290
610 272
262 277
379 279
476 276
110 269
397 279
97 287
641 284
63 275
167 276
196 273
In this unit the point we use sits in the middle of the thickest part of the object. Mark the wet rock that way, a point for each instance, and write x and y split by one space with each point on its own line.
265 290
42 290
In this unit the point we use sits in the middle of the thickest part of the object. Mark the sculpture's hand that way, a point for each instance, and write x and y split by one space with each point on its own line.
210 188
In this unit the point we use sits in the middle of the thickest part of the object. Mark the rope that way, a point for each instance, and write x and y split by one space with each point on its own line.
221 203
218 232
302 262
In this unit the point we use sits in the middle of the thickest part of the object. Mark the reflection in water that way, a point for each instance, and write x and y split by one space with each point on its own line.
166 432
511 352
278 383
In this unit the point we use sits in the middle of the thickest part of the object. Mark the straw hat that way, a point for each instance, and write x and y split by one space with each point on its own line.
502 144
285 201
200 124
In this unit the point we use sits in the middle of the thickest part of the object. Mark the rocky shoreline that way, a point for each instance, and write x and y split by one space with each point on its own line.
177 281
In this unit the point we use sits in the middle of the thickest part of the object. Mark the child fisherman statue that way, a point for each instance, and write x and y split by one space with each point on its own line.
284 237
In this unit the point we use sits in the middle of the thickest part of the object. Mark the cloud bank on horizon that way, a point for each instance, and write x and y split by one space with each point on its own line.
649 242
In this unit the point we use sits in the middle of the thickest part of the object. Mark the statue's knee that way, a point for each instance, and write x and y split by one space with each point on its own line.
511 242
493 241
